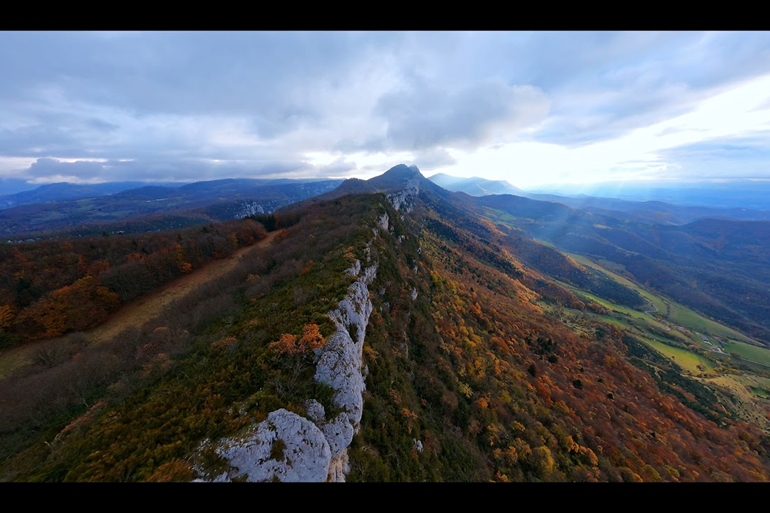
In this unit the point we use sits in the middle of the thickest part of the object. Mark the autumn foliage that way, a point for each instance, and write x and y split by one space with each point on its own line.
51 287
310 340
449 394
75 307
513 393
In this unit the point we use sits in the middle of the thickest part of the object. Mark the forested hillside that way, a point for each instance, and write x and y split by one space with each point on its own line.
389 334
52 287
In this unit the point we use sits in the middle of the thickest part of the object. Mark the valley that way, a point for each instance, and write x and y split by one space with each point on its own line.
392 330
695 344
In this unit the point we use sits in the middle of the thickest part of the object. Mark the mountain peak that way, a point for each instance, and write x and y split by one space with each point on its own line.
402 170
401 180
475 186
395 178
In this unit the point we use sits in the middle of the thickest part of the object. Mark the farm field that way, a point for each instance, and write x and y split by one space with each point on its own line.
687 360
749 352
748 387
672 311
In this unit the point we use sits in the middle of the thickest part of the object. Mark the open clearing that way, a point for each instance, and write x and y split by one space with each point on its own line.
655 300
139 311
687 360
746 404
749 352
677 313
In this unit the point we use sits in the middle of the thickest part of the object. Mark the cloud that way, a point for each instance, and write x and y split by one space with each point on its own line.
434 158
339 167
727 157
426 116
595 117
174 103
187 73
82 170
144 95
638 79
50 170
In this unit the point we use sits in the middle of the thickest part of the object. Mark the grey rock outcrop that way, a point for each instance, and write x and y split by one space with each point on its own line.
289 447
404 199
249 209
340 365
285 447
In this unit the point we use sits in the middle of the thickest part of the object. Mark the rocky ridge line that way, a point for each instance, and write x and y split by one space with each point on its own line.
289 447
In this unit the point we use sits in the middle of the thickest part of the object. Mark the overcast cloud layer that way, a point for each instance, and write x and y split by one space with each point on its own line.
530 108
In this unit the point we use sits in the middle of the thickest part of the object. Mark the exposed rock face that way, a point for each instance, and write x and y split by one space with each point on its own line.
340 365
286 447
353 271
315 411
382 222
405 198
249 209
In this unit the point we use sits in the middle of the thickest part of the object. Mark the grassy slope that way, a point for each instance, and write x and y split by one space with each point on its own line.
749 390
737 344
686 359
461 367
679 314
674 312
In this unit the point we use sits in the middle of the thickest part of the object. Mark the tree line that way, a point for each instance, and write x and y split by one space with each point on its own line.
55 286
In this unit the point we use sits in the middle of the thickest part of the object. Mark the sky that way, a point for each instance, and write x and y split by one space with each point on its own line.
532 108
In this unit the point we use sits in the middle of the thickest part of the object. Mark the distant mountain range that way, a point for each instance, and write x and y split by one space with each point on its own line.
750 194
14 185
474 186
646 211
69 191
55 206
714 260
80 209
392 330
717 266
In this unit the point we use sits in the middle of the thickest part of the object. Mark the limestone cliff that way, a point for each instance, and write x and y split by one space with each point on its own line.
289 447
403 201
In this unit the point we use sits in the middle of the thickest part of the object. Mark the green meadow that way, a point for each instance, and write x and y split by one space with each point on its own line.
677 314
687 360
748 352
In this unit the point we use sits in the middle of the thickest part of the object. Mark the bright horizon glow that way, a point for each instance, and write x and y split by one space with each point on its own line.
531 108
632 157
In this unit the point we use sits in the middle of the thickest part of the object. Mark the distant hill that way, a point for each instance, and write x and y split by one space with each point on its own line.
647 211
10 186
750 194
717 267
69 191
401 333
651 211
216 200
474 186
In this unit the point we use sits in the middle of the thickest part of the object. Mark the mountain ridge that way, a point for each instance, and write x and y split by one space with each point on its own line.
475 186
486 356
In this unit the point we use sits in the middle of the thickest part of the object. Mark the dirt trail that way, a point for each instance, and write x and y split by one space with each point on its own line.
137 312
141 310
